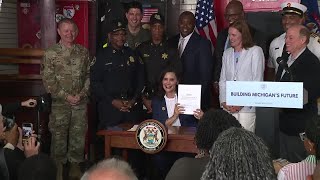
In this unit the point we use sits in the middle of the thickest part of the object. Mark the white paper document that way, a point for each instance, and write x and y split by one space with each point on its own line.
189 96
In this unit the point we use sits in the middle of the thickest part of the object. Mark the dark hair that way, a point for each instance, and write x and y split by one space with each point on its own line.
243 28
239 154
37 167
313 133
213 122
133 4
160 93
68 21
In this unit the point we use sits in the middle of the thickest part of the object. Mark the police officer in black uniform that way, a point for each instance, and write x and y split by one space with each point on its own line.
117 80
156 56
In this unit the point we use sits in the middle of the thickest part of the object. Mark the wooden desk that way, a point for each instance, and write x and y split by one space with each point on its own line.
180 139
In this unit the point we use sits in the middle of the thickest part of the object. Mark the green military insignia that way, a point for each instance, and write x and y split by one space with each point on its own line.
119 24
164 56
114 51
146 55
163 108
93 61
131 59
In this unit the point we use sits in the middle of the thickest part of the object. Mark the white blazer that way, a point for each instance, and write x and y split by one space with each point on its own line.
250 67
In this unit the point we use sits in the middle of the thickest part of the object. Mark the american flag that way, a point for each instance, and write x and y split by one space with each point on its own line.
205 20
147 12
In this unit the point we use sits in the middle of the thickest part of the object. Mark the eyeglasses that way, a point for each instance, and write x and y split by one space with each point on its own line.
303 136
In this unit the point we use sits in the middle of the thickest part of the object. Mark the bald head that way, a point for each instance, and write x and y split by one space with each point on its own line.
234 11
110 169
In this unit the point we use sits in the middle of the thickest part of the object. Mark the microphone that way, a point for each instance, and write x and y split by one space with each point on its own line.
283 64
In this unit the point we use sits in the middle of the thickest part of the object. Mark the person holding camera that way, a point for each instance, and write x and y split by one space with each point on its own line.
15 151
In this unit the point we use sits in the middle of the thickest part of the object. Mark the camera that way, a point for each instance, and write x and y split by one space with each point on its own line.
27 129
8 122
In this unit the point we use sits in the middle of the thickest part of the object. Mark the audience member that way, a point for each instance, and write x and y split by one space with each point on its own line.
210 126
242 62
110 169
135 34
196 57
234 12
292 14
303 66
38 167
14 152
65 74
156 56
239 154
311 140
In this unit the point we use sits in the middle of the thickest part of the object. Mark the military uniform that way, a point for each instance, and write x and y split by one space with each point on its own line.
117 74
65 71
134 41
277 45
156 57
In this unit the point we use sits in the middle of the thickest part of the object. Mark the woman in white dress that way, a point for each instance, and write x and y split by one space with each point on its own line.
243 61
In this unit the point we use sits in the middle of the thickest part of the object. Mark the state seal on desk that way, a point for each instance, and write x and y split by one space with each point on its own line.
151 136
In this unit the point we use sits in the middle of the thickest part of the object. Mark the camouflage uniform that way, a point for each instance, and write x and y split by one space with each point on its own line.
65 72
134 41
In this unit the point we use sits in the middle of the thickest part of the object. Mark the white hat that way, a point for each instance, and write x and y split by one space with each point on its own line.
293 8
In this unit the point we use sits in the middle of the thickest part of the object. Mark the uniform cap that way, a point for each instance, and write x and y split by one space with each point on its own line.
156 18
117 25
293 8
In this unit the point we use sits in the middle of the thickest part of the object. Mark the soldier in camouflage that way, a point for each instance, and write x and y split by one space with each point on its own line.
65 73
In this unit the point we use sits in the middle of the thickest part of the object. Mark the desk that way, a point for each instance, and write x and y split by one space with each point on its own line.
180 139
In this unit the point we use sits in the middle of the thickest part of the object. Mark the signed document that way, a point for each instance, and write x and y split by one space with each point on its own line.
189 96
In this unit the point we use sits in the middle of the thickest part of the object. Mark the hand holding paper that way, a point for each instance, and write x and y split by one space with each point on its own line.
189 96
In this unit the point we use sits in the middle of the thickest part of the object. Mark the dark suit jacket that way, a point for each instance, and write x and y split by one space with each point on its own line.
187 168
257 36
197 64
14 159
160 113
306 69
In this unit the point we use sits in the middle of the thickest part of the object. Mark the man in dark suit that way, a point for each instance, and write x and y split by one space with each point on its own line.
234 11
196 57
303 66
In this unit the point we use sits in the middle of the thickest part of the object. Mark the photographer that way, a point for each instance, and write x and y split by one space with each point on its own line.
14 152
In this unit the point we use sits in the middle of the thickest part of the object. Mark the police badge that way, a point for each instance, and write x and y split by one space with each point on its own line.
151 136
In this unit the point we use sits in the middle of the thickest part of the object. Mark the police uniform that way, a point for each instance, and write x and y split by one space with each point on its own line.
277 45
65 71
156 57
116 74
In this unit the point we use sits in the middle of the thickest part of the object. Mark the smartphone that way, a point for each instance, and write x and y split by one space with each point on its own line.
27 129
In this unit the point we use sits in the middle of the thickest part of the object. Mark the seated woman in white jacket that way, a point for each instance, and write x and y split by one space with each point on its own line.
243 61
